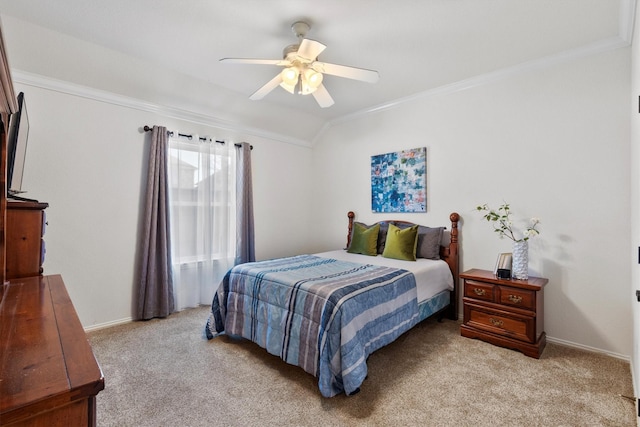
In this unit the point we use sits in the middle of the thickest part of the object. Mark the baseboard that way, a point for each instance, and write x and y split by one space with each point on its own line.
108 324
565 343
572 344
460 316
635 393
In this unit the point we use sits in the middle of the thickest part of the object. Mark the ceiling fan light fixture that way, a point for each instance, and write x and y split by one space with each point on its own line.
312 77
310 81
305 89
289 88
290 76
302 72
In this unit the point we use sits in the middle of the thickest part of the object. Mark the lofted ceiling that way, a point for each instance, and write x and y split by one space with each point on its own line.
416 45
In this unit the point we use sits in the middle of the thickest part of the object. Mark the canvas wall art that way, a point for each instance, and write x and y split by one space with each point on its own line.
399 181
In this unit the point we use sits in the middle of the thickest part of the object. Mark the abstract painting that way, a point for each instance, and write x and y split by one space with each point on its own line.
399 181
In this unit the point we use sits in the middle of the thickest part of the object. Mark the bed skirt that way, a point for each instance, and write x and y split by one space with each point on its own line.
434 304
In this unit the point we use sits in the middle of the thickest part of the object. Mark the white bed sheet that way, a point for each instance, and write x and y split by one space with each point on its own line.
432 276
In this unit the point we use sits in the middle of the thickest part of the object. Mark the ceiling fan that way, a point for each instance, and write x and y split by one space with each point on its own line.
303 73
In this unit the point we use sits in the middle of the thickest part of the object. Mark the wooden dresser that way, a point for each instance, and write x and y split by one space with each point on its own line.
507 313
25 247
48 373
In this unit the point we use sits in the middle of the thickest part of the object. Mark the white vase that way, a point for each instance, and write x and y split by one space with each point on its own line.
520 260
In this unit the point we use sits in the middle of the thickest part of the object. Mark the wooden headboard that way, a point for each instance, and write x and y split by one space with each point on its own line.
448 253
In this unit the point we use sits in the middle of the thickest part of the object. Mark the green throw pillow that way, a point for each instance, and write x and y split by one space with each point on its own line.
364 240
401 243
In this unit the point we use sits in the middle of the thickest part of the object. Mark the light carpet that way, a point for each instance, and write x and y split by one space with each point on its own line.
164 372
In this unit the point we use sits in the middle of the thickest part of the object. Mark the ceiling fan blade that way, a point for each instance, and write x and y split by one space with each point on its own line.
310 49
282 62
354 73
322 97
271 85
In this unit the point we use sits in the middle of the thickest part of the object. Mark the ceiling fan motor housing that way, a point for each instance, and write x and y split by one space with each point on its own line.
292 48
300 29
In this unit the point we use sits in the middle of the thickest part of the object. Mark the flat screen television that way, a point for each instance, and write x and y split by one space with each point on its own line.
17 147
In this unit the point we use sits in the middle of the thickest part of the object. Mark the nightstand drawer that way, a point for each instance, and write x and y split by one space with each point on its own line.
479 290
504 312
500 322
517 297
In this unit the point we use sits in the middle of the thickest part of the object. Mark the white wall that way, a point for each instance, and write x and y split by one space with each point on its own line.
554 143
635 199
86 159
48 53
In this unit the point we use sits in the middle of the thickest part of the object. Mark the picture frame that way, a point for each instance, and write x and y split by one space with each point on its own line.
399 181
503 262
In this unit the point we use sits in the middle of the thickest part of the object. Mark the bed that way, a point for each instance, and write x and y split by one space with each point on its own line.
327 312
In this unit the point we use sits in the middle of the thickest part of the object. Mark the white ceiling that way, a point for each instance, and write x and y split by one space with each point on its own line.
416 45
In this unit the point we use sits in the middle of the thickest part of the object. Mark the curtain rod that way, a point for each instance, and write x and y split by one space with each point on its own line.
149 129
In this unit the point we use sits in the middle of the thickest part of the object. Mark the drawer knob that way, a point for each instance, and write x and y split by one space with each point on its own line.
516 299
479 292
496 322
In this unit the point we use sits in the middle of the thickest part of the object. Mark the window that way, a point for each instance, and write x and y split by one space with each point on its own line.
202 208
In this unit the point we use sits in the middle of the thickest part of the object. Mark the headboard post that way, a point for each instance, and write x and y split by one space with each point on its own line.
452 260
454 217
351 215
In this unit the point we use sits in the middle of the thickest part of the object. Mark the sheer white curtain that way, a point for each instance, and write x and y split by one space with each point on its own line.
202 180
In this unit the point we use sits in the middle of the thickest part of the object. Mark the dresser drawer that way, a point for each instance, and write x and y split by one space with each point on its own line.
479 290
500 322
517 297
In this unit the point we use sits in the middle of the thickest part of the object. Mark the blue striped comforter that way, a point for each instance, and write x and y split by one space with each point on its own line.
321 314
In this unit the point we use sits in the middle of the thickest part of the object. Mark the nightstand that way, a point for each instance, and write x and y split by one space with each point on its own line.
507 313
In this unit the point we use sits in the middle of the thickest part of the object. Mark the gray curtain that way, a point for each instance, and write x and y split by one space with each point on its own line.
245 242
155 283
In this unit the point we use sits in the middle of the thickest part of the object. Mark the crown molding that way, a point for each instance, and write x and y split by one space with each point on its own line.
627 19
48 83
624 39
598 47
